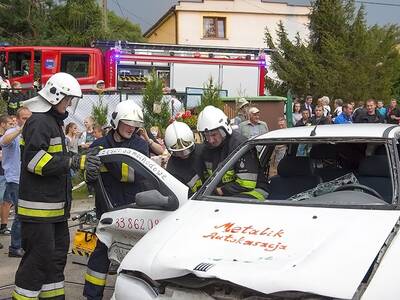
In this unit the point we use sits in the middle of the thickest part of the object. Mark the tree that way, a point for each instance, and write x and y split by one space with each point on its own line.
343 58
155 110
100 110
211 95
70 23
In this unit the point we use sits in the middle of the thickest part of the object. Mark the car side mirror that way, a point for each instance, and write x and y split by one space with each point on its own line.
154 199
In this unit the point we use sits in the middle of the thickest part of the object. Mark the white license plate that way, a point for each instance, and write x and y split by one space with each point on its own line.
118 251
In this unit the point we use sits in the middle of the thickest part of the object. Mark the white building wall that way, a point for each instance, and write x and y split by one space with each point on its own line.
245 21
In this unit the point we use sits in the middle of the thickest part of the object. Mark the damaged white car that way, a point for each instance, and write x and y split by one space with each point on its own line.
328 229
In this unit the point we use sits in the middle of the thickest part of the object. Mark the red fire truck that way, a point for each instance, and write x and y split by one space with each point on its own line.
125 65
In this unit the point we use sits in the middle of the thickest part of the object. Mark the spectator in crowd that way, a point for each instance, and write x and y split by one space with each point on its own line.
12 168
253 126
279 150
359 109
174 105
98 132
393 112
87 136
308 105
86 139
305 119
296 116
346 116
337 104
14 120
154 147
370 114
381 108
155 131
100 85
15 98
5 124
72 137
242 111
318 118
325 103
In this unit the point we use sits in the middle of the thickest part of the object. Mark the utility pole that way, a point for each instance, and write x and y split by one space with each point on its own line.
105 25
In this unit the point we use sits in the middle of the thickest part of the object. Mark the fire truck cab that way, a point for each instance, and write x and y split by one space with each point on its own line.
28 64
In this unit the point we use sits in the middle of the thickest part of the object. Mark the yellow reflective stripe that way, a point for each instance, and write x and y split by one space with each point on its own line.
21 142
41 163
82 162
255 194
228 176
249 184
17 296
103 169
55 149
52 293
197 185
124 172
40 212
95 280
12 104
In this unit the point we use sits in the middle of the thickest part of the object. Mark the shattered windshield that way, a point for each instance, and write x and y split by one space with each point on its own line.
303 170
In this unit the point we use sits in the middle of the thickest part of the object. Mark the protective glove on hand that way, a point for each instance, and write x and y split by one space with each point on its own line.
78 161
92 168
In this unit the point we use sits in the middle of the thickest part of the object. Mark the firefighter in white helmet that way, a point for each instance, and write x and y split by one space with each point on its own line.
184 163
120 182
45 190
220 141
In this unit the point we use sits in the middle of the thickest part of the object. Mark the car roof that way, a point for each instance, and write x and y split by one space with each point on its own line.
336 131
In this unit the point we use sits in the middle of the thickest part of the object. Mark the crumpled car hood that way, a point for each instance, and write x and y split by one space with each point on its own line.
267 248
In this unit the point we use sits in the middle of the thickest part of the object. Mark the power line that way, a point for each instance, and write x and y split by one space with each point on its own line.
378 3
120 9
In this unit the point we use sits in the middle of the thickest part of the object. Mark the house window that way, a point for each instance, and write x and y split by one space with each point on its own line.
214 27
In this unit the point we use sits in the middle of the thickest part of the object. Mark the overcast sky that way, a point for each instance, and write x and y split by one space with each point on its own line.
147 12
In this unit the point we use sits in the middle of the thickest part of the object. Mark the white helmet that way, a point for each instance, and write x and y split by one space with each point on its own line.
57 87
128 112
179 139
211 118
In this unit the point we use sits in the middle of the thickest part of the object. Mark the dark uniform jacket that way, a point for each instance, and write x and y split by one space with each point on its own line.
189 171
364 117
120 182
45 182
242 179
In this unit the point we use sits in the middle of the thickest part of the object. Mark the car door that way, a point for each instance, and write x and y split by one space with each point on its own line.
121 227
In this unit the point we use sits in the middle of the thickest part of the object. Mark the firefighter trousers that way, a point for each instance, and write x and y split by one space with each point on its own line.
40 274
96 273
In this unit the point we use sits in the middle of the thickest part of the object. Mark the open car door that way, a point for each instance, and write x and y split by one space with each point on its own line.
121 227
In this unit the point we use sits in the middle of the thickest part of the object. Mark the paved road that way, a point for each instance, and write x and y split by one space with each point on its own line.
74 272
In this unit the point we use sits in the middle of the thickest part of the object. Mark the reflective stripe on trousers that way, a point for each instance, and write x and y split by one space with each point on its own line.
96 274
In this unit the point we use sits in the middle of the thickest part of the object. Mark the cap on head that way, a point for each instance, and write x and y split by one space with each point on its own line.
242 102
253 110
99 82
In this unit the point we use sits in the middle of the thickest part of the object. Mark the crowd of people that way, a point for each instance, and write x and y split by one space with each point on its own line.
370 111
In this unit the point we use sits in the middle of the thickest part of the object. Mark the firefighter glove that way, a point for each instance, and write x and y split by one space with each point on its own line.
85 161
92 168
